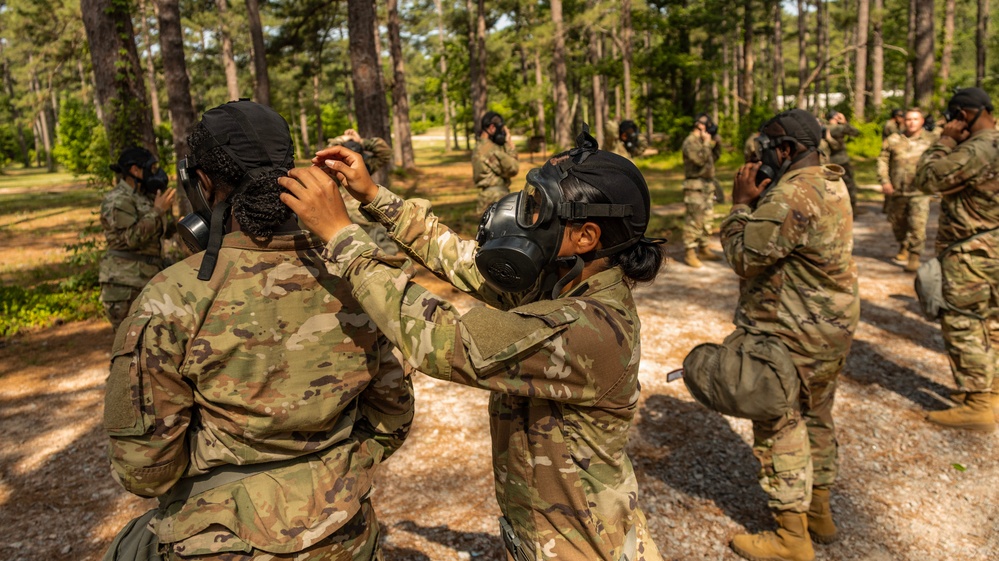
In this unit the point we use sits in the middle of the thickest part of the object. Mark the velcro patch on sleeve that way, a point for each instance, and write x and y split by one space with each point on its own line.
492 331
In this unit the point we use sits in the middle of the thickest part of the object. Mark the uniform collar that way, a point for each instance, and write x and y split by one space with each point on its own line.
287 241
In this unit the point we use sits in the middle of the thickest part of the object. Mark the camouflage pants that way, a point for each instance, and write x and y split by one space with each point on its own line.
908 217
117 300
376 231
488 196
971 283
699 203
357 540
799 450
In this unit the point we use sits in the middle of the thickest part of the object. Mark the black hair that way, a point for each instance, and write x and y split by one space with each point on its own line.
642 261
258 208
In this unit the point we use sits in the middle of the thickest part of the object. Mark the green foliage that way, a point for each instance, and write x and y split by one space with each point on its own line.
164 148
868 144
75 145
420 127
23 308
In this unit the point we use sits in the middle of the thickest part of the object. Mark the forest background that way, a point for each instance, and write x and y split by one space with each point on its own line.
83 79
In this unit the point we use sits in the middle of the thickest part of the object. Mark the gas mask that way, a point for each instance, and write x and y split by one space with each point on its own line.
520 236
152 181
356 146
766 152
499 137
195 227
629 135
952 113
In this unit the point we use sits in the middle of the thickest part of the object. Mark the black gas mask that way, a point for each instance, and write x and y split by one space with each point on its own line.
520 236
153 179
766 151
499 135
367 156
257 139
629 135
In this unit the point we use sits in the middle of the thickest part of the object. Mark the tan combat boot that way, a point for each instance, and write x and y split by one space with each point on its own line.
820 521
789 543
975 414
913 264
958 397
707 255
903 255
690 258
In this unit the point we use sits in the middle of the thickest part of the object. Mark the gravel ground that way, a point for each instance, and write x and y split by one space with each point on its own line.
907 491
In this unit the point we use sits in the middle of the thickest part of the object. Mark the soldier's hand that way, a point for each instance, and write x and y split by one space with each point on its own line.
887 189
956 129
314 197
164 200
349 169
745 191
353 135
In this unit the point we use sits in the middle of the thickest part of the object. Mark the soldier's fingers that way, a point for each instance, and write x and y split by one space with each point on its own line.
294 189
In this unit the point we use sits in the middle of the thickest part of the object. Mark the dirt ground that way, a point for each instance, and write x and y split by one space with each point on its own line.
907 491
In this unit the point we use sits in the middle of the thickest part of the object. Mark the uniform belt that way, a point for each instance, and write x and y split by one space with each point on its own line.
132 256
220 475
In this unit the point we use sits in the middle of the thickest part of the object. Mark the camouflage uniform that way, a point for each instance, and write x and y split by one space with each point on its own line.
563 377
838 156
134 230
890 128
272 360
493 166
612 142
799 283
698 189
381 156
908 208
966 176
749 149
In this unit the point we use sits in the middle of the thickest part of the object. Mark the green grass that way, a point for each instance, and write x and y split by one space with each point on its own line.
35 178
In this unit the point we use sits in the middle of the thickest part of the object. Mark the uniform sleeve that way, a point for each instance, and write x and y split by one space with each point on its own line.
850 130
836 139
519 352
381 150
418 232
697 152
947 166
884 160
716 151
147 405
503 162
386 405
755 240
130 227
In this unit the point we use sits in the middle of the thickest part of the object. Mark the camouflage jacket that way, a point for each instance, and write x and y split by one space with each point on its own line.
699 157
494 165
890 128
270 360
563 375
131 224
613 143
837 143
966 176
898 159
794 255
379 152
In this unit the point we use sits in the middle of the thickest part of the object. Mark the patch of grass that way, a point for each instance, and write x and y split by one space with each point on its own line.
25 308
35 178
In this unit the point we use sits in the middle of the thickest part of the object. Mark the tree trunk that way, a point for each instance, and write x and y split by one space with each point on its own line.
262 80
910 40
748 59
540 128
369 91
447 102
154 93
317 105
8 84
821 53
981 41
948 45
778 69
924 53
178 84
482 101
303 122
626 38
736 68
860 67
400 99
43 116
563 122
228 59
726 83
599 102
120 87
877 55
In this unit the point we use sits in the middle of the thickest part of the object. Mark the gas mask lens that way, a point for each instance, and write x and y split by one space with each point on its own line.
530 207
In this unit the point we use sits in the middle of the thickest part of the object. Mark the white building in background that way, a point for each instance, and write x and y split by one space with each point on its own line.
834 98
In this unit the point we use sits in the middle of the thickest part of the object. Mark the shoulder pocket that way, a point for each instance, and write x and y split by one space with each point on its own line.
126 398
764 226
494 336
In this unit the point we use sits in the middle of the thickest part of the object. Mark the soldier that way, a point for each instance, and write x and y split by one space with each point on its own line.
136 218
494 162
790 240
896 124
700 150
963 168
377 155
908 208
248 389
624 139
560 355
749 150
836 134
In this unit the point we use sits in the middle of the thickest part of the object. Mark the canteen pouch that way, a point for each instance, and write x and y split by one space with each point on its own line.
749 375
929 289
